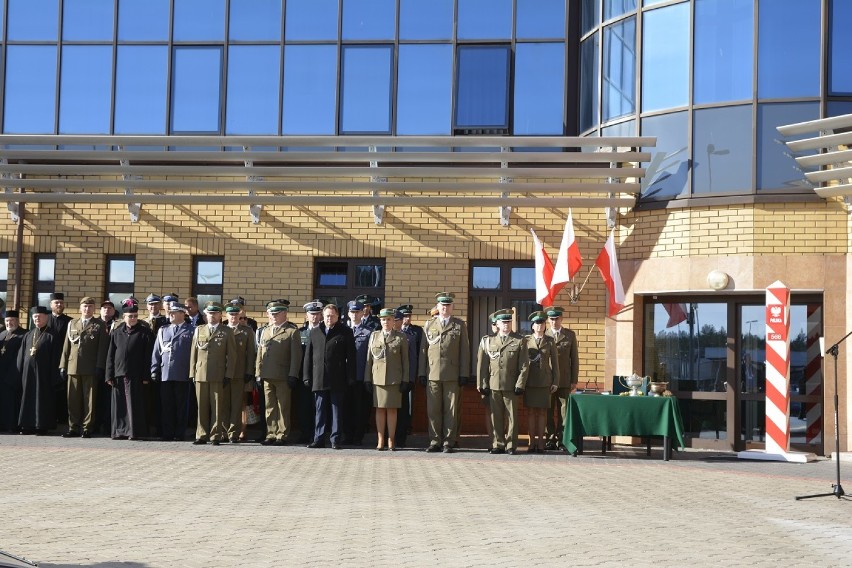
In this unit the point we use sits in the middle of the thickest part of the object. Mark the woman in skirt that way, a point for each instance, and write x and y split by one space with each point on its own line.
542 380
387 375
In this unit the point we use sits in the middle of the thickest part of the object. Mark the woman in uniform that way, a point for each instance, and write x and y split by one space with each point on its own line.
542 380
387 375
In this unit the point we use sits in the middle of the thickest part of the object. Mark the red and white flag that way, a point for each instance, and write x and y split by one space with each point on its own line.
569 261
677 314
543 273
607 263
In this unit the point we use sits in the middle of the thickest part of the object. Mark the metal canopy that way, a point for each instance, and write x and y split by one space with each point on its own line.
833 137
377 171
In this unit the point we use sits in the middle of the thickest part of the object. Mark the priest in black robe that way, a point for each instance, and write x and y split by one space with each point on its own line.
10 377
128 368
39 375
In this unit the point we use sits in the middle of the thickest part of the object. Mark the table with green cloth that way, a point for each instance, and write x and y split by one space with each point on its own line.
612 415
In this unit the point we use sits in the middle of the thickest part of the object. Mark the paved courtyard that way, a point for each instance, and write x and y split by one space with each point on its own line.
99 503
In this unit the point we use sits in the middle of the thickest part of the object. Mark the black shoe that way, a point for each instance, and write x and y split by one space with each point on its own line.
456 445
267 442
199 442
215 442
336 446
86 434
433 448
448 449
550 445
71 434
560 446
393 449
512 452
281 442
496 451
316 444
234 440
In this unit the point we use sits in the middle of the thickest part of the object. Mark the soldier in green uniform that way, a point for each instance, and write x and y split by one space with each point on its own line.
503 367
569 372
82 366
387 375
244 364
279 359
212 360
444 368
542 380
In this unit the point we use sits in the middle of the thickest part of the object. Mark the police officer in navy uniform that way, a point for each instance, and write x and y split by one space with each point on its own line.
155 318
170 369
371 305
414 334
358 400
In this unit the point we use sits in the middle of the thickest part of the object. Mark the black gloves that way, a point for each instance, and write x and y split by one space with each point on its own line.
306 382
368 387
421 380
293 382
519 390
486 392
463 381
405 387
248 378
63 375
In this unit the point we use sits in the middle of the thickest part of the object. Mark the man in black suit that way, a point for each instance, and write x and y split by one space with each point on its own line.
329 366
58 324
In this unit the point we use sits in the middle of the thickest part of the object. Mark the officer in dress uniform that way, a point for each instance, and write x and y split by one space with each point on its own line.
241 302
371 306
279 358
414 334
211 365
569 372
303 397
170 368
243 372
155 318
542 380
10 377
357 401
387 374
503 366
82 366
444 366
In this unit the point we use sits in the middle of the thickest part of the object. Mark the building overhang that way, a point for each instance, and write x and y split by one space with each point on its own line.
830 168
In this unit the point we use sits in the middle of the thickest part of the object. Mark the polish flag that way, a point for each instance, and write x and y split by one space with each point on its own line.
543 273
569 261
607 263
677 314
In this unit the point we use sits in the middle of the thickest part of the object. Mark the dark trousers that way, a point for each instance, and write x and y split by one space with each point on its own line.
357 404
10 406
101 421
403 420
305 409
174 402
328 405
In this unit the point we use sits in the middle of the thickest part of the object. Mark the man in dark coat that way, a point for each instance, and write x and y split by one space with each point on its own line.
39 375
358 401
10 377
329 366
58 323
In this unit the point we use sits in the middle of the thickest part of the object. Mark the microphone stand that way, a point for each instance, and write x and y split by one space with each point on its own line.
837 488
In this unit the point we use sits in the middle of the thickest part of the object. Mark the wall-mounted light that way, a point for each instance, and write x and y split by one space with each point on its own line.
717 280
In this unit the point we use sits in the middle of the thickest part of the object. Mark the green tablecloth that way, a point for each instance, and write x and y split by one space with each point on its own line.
612 415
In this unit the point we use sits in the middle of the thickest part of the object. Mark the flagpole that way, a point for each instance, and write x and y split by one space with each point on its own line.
574 296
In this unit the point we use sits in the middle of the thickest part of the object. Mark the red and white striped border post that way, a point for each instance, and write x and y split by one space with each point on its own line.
777 368
813 375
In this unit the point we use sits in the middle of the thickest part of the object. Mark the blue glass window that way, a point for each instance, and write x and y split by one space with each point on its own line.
615 8
425 19
310 20
482 97
143 20
141 89
776 169
365 92
369 19
724 45
84 93
619 69
310 89
590 15
589 75
485 19
840 63
199 20
722 150
665 58
424 89
255 20
838 108
253 72
33 20
540 19
88 20
539 88
788 45
626 128
30 102
668 171
196 82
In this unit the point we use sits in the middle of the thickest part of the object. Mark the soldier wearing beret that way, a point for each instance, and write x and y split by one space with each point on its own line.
387 375
82 366
503 366
569 371
212 360
444 367
279 358
542 380
244 369
10 377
